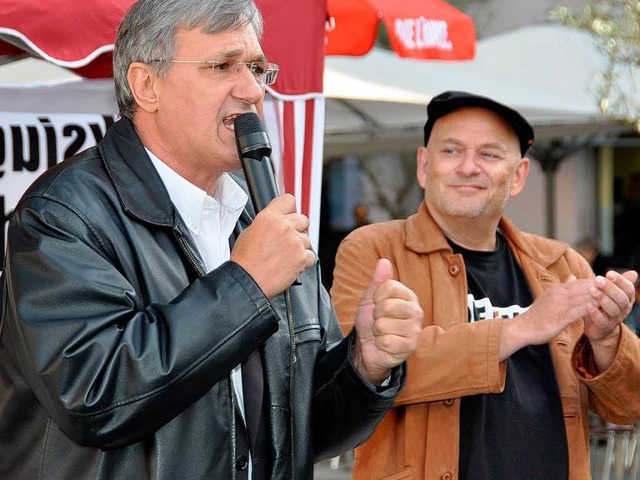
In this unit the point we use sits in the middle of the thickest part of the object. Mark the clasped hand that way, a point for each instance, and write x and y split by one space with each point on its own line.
601 303
612 297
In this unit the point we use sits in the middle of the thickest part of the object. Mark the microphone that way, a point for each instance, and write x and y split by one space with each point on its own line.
254 149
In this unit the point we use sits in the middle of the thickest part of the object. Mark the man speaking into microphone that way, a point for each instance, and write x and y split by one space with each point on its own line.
149 327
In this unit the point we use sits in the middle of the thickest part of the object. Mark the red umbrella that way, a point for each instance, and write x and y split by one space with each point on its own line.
426 29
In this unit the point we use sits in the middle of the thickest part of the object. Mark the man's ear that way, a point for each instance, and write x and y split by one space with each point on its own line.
422 163
144 85
520 176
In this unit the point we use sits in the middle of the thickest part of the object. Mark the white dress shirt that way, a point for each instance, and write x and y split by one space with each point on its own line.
211 221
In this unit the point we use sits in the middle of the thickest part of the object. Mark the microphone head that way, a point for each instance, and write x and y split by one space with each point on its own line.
247 123
251 137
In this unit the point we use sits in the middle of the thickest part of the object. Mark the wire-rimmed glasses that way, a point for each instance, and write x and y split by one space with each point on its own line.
264 73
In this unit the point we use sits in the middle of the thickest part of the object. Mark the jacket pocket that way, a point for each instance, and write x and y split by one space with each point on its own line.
570 406
405 474
307 334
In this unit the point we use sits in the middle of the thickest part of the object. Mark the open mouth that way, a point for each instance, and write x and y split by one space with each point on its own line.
229 121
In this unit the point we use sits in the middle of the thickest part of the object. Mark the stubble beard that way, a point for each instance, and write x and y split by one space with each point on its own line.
470 208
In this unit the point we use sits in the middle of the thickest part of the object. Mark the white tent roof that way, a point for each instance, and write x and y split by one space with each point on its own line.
34 85
547 72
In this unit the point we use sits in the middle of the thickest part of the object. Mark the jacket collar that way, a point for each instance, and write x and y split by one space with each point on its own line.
425 236
543 251
134 177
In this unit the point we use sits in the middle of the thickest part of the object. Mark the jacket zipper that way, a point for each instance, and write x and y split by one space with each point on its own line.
292 338
194 262
187 251
233 427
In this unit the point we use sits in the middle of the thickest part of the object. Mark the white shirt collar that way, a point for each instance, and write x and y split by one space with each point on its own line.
190 201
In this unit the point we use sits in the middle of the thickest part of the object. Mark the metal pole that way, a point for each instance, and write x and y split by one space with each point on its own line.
549 176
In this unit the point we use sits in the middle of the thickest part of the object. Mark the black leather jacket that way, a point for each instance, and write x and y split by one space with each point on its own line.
116 348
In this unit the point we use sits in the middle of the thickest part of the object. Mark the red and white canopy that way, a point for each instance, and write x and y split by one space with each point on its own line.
79 36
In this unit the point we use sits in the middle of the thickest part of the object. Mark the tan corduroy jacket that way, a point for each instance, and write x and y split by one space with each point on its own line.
419 437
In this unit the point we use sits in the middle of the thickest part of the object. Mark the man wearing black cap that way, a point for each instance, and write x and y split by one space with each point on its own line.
150 327
519 336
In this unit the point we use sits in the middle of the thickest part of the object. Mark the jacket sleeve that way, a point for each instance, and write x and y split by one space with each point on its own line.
614 392
453 358
108 366
346 407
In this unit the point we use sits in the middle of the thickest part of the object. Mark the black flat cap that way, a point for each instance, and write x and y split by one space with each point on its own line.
447 102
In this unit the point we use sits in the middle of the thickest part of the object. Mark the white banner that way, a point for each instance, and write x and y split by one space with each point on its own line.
30 143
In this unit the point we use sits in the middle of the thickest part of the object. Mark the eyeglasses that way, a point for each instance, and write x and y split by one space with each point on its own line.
264 73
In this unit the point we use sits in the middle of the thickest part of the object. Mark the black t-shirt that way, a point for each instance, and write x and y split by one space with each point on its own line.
518 434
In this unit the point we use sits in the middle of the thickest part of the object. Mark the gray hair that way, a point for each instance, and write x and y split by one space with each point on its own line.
147 34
